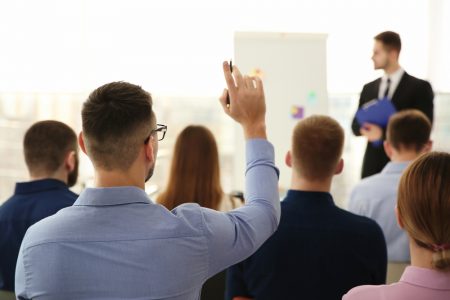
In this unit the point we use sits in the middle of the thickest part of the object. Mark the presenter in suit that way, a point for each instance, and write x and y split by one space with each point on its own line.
404 90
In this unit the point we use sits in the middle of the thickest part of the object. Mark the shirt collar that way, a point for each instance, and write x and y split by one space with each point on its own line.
112 196
309 199
426 278
395 77
39 186
395 167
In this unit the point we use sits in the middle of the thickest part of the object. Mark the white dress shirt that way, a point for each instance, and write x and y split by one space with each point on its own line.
395 80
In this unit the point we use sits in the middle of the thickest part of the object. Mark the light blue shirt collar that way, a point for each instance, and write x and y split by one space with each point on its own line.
395 167
112 196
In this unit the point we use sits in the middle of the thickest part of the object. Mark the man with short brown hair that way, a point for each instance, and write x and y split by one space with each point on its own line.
114 242
404 90
319 250
408 136
51 155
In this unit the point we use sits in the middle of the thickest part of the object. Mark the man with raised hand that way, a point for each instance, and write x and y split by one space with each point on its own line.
114 243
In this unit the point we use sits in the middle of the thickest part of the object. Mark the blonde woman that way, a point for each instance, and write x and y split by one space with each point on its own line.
423 210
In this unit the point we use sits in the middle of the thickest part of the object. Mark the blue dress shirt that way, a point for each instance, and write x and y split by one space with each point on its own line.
32 201
114 243
319 251
376 197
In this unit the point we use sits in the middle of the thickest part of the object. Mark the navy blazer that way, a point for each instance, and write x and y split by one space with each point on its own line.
318 252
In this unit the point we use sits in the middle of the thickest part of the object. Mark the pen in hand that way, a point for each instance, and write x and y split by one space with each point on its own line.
228 95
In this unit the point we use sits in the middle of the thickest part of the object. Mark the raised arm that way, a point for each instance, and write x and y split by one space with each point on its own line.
236 235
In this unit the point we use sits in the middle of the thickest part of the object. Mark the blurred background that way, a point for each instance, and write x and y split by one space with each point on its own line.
53 53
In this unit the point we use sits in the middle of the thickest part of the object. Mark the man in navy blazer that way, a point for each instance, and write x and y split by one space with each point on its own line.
319 251
404 90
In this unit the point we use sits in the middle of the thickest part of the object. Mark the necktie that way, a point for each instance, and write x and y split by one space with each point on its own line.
386 91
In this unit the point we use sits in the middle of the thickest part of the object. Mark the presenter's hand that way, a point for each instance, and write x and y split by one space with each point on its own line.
247 103
371 131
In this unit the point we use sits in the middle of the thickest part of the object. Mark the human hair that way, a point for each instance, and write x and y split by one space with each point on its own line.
117 117
408 130
195 171
46 145
317 145
424 205
390 40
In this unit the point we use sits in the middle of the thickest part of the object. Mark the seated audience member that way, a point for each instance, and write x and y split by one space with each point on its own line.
408 136
195 173
195 177
51 156
114 242
319 250
423 210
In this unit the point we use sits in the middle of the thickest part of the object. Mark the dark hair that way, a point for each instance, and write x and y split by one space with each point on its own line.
409 130
117 117
46 144
424 205
195 172
317 146
391 40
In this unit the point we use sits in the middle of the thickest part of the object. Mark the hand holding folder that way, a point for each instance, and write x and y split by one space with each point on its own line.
376 112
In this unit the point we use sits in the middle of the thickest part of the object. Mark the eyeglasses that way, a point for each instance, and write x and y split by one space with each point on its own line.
160 132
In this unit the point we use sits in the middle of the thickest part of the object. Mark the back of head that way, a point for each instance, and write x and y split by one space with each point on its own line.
317 145
409 130
117 118
46 145
424 205
390 40
195 171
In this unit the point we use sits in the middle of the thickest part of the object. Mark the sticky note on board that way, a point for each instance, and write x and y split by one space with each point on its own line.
297 112
256 72
312 98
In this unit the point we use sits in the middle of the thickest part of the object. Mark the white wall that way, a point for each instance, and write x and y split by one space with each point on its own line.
175 47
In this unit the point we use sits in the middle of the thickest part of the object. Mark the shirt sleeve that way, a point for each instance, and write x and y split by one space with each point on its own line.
233 236
20 280
235 284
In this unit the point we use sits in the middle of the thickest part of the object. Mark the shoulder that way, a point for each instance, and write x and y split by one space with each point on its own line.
368 183
9 204
360 224
416 81
372 83
366 189
366 292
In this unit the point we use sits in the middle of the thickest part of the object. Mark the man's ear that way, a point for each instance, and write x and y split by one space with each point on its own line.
70 161
388 149
81 142
148 149
339 167
288 159
428 147
399 220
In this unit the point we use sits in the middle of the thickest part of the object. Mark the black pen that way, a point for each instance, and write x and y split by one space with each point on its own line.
228 95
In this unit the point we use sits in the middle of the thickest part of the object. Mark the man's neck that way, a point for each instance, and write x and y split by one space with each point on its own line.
404 156
391 69
57 176
301 184
117 179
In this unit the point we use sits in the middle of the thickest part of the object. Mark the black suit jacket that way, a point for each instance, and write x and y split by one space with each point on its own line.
411 92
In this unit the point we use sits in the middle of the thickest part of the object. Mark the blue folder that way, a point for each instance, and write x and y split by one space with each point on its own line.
376 112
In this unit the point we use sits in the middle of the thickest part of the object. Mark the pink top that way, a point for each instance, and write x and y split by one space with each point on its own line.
416 283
